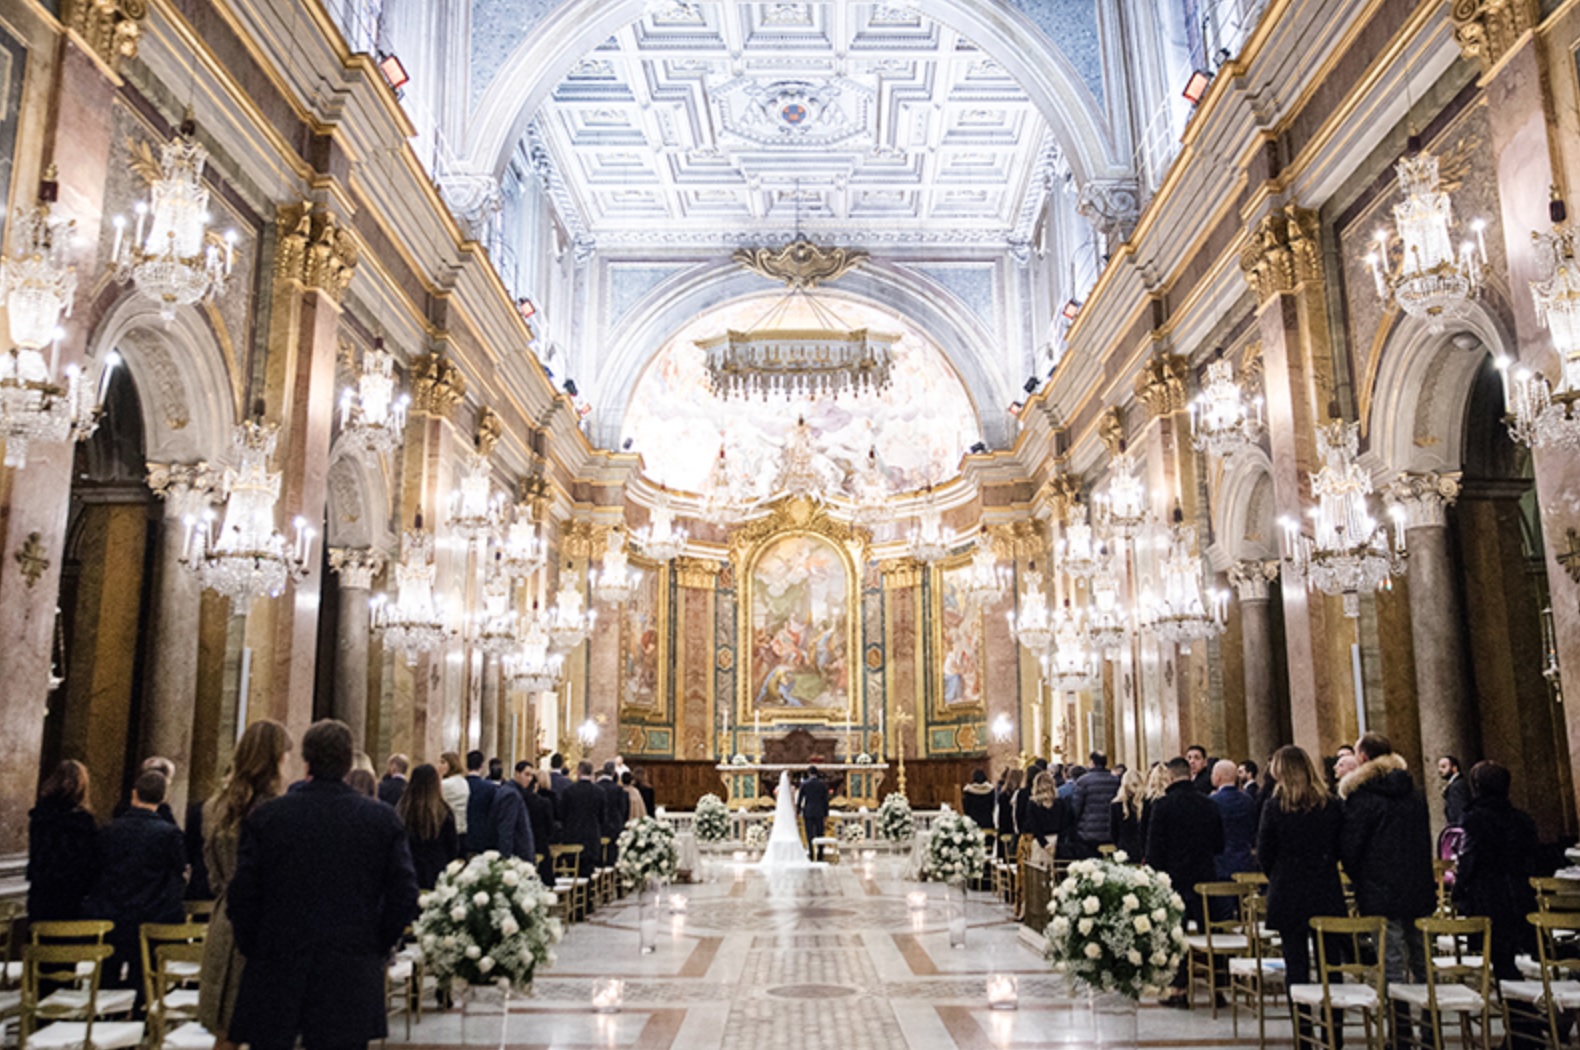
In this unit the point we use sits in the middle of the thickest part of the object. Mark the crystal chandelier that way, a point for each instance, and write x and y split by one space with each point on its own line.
497 626
39 288
1175 612
616 580
930 540
475 511
1433 280
1539 415
1348 551
370 411
1031 622
521 553
660 540
1123 508
1107 626
985 580
799 349
532 665
171 256
724 500
870 490
247 557
802 470
413 623
569 622
1071 664
1081 554
1221 422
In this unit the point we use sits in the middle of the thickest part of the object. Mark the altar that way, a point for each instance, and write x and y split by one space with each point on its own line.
852 785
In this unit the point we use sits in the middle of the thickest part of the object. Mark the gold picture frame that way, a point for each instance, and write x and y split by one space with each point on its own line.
941 711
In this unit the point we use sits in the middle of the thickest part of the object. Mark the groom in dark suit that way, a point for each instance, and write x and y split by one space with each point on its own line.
813 805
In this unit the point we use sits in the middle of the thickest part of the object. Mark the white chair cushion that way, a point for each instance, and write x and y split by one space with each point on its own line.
13 972
1221 942
111 1001
1449 996
1566 994
1345 996
180 999
72 1035
1245 966
10 1003
190 1036
1529 968
400 970
184 970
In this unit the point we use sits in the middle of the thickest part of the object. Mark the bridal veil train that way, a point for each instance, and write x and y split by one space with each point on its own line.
785 851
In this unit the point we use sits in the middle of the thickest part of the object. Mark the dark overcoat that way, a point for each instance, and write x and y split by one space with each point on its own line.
1299 852
583 805
1387 842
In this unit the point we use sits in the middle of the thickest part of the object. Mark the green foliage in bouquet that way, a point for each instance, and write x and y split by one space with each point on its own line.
487 921
1116 928
712 820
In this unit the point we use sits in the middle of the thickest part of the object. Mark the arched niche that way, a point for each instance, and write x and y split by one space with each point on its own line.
1244 516
577 27
359 511
676 302
183 382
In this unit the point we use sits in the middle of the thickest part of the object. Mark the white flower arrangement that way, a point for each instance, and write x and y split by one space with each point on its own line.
740 760
647 850
853 831
895 821
1116 928
863 759
487 921
712 819
756 836
955 851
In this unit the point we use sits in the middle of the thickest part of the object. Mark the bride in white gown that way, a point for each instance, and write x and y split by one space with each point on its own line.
785 852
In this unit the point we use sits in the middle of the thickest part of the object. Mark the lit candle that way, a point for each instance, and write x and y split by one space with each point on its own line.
607 995
1001 991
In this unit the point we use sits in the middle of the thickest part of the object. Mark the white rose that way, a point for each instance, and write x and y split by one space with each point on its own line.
1120 856
1098 878
1130 902
429 941
1143 924
489 856
1177 901
480 899
1084 927
1160 958
510 927
458 914
1061 926
1134 957
1091 905
510 878
473 951
1094 950
1159 915
485 964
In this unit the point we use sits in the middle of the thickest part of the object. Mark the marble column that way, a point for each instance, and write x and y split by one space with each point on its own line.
1441 679
356 568
169 704
1250 580
488 738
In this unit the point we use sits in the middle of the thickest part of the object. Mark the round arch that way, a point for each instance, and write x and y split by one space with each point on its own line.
577 27
670 306
184 386
1423 385
358 510
1243 519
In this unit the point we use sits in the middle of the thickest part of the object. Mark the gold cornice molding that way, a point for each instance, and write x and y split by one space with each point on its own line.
1282 253
108 29
1486 30
437 386
800 264
315 250
1160 385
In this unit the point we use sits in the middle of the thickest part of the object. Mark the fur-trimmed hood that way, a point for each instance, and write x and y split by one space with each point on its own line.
1387 774
978 789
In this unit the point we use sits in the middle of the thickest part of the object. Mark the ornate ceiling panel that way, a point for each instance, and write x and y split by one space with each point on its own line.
728 122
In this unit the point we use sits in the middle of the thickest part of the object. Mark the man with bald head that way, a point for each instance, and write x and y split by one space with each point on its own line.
1238 812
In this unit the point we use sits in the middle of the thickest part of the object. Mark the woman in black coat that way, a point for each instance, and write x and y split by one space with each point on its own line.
977 802
430 825
1496 862
1298 847
61 836
1008 829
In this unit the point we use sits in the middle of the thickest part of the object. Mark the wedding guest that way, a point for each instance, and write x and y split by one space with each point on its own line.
430 825
1297 844
60 846
512 827
582 806
457 792
559 780
362 783
1124 816
496 771
1089 805
636 805
257 774
481 832
1200 768
1158 782
1495 865
540 811
976 801
141 862
649 796
1047 818
1072 774
393 785
812 804
1183 837
1457 791
362 760
1008 833
198 886
617 810
1245 776
1238 813
165 768
323 888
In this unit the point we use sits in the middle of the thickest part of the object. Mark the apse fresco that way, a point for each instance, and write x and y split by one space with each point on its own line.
960 626
799 627
920 426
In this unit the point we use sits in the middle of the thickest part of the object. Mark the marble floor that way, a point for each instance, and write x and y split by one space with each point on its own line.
830 958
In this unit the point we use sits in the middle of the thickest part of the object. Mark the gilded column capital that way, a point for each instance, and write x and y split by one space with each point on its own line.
1282 253
1161 384
187 488
534 493
490 428
1111 429
108 28
315 250
356 566
1486 29
581 539
1015 539
899 573
1251 577
1424 498
1061 492
697 573
437 386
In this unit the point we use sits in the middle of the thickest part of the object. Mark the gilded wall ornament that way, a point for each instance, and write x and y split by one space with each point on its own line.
800 264
795 514
1282 253
490 428
437 385
109 28
1060 492
900 573
1486 29
697 573
315 250
1161 384
1111 429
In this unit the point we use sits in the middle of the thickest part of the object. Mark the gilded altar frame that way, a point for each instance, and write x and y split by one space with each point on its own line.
796 516
661 711
940 712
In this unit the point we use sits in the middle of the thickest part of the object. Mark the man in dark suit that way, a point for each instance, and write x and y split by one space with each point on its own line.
141 860
540 813
393 786
323 888
582 821
480 828
618 811
1200 768
513 835
813 805
559 780
1184 838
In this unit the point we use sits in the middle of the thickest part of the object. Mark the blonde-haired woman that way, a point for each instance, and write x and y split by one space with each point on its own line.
1125 816
456 791
1008 832
1046 818
1298 847
256 775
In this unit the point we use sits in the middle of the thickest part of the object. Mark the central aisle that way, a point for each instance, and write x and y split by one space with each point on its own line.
824 958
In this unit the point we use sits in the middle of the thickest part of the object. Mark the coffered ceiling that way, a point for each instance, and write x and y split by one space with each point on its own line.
707 124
